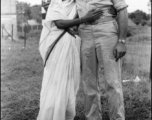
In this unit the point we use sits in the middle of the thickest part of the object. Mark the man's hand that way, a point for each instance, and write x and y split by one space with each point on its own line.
119 51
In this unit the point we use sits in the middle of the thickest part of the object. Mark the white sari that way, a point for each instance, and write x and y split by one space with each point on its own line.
62 71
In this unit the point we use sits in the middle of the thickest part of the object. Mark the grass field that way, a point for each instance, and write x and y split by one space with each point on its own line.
21 77
139 49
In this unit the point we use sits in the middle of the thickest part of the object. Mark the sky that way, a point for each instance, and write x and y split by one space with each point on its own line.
133 5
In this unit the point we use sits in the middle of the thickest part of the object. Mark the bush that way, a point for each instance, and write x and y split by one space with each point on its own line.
143 22
140 38
149 23
129 34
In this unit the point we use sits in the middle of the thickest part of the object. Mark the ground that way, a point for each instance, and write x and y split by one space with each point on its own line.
21 78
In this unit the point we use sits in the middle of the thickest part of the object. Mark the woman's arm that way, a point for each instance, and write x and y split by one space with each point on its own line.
65 24
91 16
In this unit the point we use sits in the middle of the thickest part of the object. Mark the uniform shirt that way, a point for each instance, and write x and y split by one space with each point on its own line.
83 6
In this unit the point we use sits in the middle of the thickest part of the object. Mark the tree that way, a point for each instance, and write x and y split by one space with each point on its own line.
27 12
138 16
23 12
36 13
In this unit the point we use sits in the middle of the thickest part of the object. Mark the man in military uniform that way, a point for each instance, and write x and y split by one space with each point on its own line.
103 44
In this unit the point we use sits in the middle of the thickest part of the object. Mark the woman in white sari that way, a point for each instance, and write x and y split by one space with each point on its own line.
62 65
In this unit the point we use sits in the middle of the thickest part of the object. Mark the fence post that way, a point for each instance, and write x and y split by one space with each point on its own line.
150 69
24 36
2 32
12 32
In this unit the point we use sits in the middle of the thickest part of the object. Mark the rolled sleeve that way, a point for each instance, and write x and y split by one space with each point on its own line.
119 4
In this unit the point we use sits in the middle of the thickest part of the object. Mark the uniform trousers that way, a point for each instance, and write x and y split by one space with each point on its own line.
98 42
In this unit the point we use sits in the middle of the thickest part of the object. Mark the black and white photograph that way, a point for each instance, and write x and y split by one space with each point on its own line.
75 59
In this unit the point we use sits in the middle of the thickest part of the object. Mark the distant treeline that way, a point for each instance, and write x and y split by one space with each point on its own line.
27 12
140 17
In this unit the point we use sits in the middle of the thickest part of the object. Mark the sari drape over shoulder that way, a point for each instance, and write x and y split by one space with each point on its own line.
62 71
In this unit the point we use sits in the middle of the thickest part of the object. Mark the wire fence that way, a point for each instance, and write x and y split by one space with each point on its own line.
7 33
30 28
138 55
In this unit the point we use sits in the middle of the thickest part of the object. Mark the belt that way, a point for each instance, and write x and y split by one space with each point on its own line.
51 47
101 20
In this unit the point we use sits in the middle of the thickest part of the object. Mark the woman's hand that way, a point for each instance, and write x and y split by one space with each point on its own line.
92 15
